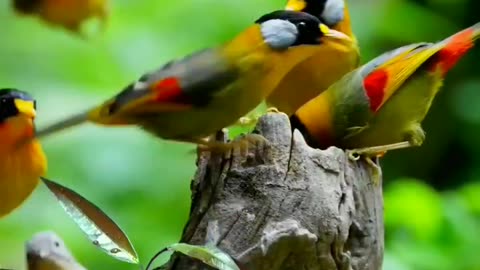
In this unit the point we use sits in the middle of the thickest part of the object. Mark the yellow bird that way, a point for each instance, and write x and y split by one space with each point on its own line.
21 164
327 63
70 14
192 98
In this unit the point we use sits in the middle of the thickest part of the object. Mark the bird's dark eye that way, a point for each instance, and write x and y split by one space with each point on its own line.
56 243
308 32
301 26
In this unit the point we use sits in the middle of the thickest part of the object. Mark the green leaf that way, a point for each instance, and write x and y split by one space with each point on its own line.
208 254
99 228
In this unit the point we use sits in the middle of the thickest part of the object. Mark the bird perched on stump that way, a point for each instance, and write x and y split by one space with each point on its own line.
47 251
21 164
192 98
381 105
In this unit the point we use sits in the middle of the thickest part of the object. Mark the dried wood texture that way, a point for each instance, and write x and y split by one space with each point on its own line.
287 206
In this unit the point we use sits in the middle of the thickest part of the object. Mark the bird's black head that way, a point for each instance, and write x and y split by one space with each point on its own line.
330 12
284 28
14 102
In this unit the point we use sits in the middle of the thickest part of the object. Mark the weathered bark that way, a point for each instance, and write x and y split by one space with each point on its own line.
286 207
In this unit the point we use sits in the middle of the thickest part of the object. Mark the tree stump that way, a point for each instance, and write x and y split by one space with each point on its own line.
286 207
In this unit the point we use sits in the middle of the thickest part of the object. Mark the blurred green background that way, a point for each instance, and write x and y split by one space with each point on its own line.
432 193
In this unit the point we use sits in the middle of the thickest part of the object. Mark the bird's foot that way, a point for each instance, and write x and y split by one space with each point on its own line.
416 136
272 110
376 169
247 121
375 152
251 120
239 146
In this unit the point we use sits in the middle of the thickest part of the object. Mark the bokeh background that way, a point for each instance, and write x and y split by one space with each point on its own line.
432 193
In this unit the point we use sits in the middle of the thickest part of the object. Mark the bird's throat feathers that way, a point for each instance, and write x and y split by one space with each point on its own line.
15 130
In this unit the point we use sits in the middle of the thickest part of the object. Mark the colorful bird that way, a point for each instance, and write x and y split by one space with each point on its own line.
380 106
47 251
21 164
330 61
192 98
70 14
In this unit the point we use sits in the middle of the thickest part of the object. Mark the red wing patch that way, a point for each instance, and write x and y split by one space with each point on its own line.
456 47
375 84
169 90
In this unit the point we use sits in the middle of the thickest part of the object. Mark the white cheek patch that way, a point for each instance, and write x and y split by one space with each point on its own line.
279 34
333 12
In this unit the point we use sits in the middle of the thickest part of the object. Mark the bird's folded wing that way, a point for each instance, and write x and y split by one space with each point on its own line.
389 71
179 85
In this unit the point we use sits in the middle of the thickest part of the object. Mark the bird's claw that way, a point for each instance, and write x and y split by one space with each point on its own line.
376 171
252 119
242 145
239 146
272 110
353 155
247 120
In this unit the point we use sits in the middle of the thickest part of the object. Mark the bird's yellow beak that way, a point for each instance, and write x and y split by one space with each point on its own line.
296 5
26 107
328 32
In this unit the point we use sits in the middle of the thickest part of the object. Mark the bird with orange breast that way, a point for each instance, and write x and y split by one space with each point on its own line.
21 164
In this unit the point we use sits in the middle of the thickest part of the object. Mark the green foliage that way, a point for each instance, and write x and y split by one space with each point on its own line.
208 254
416 207
143 182
429 230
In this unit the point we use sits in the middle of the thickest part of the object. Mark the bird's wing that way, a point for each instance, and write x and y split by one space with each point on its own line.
179 85
385 74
